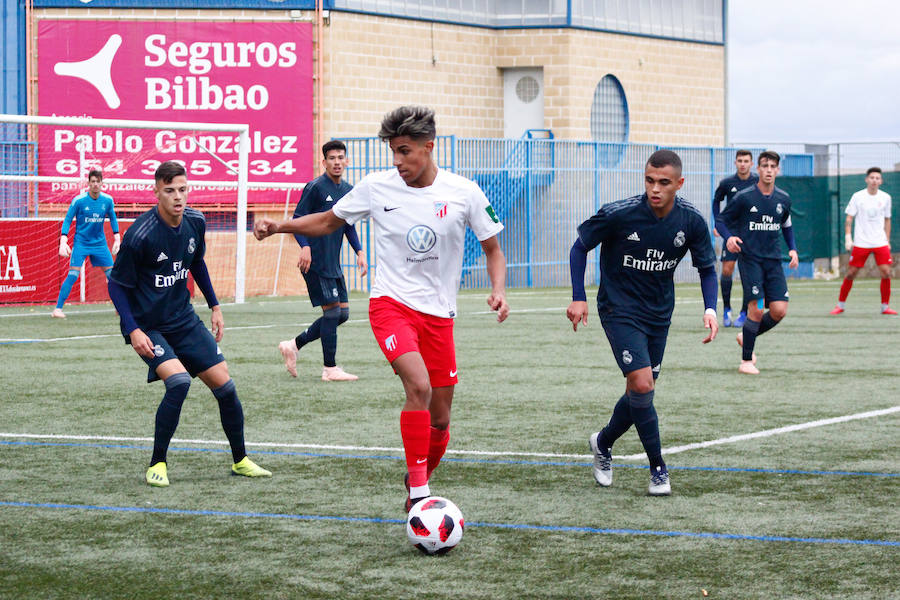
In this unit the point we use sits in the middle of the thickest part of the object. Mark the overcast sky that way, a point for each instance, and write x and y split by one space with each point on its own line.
813 70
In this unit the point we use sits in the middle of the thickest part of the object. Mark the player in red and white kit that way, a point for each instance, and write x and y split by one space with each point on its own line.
871 208
420 214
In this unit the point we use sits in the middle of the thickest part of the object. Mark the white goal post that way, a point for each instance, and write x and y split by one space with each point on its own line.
37 152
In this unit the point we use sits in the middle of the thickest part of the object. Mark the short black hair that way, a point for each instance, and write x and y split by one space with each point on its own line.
771 155
333 145
416 122
168 171
873 170
743 152
99 174
664 158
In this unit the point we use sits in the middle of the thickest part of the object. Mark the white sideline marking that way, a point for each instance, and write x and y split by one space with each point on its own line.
269 326
549 455
771 432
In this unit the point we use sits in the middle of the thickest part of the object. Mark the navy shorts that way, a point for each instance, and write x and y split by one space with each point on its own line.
636 347
325 290
193 345
100 256
763 279
728 255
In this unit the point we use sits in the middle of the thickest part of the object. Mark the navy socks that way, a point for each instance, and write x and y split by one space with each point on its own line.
232 415
168 413
618 424
643 413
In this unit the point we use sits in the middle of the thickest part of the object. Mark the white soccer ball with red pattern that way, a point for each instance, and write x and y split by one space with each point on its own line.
434 525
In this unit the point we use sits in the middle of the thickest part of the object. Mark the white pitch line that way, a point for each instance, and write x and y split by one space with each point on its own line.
771 432
547 455
106 438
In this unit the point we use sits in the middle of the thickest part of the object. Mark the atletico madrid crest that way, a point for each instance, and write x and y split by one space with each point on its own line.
440 209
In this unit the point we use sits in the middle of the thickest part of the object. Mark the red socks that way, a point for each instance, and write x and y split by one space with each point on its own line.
439 440
885 291
845 290
415 428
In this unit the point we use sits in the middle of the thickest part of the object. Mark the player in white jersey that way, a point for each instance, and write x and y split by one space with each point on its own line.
871 208
420 214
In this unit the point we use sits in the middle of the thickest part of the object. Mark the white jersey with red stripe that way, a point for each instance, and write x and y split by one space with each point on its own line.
420 235
870 211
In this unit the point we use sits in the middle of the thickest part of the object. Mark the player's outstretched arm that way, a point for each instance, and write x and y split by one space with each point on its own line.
496 268
312 225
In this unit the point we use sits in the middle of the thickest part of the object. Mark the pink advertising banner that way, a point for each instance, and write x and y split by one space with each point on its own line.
175 71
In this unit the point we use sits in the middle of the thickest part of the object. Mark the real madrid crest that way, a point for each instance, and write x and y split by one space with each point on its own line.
679 239
778 208
191 245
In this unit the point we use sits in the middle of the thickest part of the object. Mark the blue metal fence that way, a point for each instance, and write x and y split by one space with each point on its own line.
542 188
17 157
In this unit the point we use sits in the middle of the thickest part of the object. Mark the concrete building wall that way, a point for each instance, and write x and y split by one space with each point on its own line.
371 64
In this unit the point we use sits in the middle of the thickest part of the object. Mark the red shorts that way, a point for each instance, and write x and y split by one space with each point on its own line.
399 329
858 256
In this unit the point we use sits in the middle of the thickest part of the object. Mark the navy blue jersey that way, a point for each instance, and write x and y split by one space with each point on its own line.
758 220
727 189
153 265
639 253
320 195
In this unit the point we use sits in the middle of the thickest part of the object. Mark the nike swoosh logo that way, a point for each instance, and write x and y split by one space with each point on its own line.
386 209
453 373
419 461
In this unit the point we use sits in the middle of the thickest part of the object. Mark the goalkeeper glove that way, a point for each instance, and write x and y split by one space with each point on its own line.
64 246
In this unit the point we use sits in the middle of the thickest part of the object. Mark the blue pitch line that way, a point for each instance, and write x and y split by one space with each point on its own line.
487 461
515 526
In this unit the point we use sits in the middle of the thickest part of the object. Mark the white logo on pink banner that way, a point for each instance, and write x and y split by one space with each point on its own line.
255 73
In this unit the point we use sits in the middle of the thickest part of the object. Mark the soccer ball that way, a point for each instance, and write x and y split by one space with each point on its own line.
434 525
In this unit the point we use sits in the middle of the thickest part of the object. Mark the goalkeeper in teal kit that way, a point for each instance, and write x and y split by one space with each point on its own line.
89 210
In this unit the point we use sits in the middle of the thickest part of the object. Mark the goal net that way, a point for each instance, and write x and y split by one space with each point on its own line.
44 164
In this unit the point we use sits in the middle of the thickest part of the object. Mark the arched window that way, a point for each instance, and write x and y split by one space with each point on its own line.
609 120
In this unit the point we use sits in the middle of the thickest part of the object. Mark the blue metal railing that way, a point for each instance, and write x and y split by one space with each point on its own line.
542 188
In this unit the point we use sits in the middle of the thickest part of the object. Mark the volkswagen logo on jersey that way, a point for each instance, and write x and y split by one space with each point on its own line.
421 238
679 239
778 208
626 357
191 245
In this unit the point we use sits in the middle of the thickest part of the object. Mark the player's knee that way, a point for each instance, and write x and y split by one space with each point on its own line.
640 383
333 313
73 273
777 312
727 269
345 315
418 390
225 391
441 422
638 399
177 386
